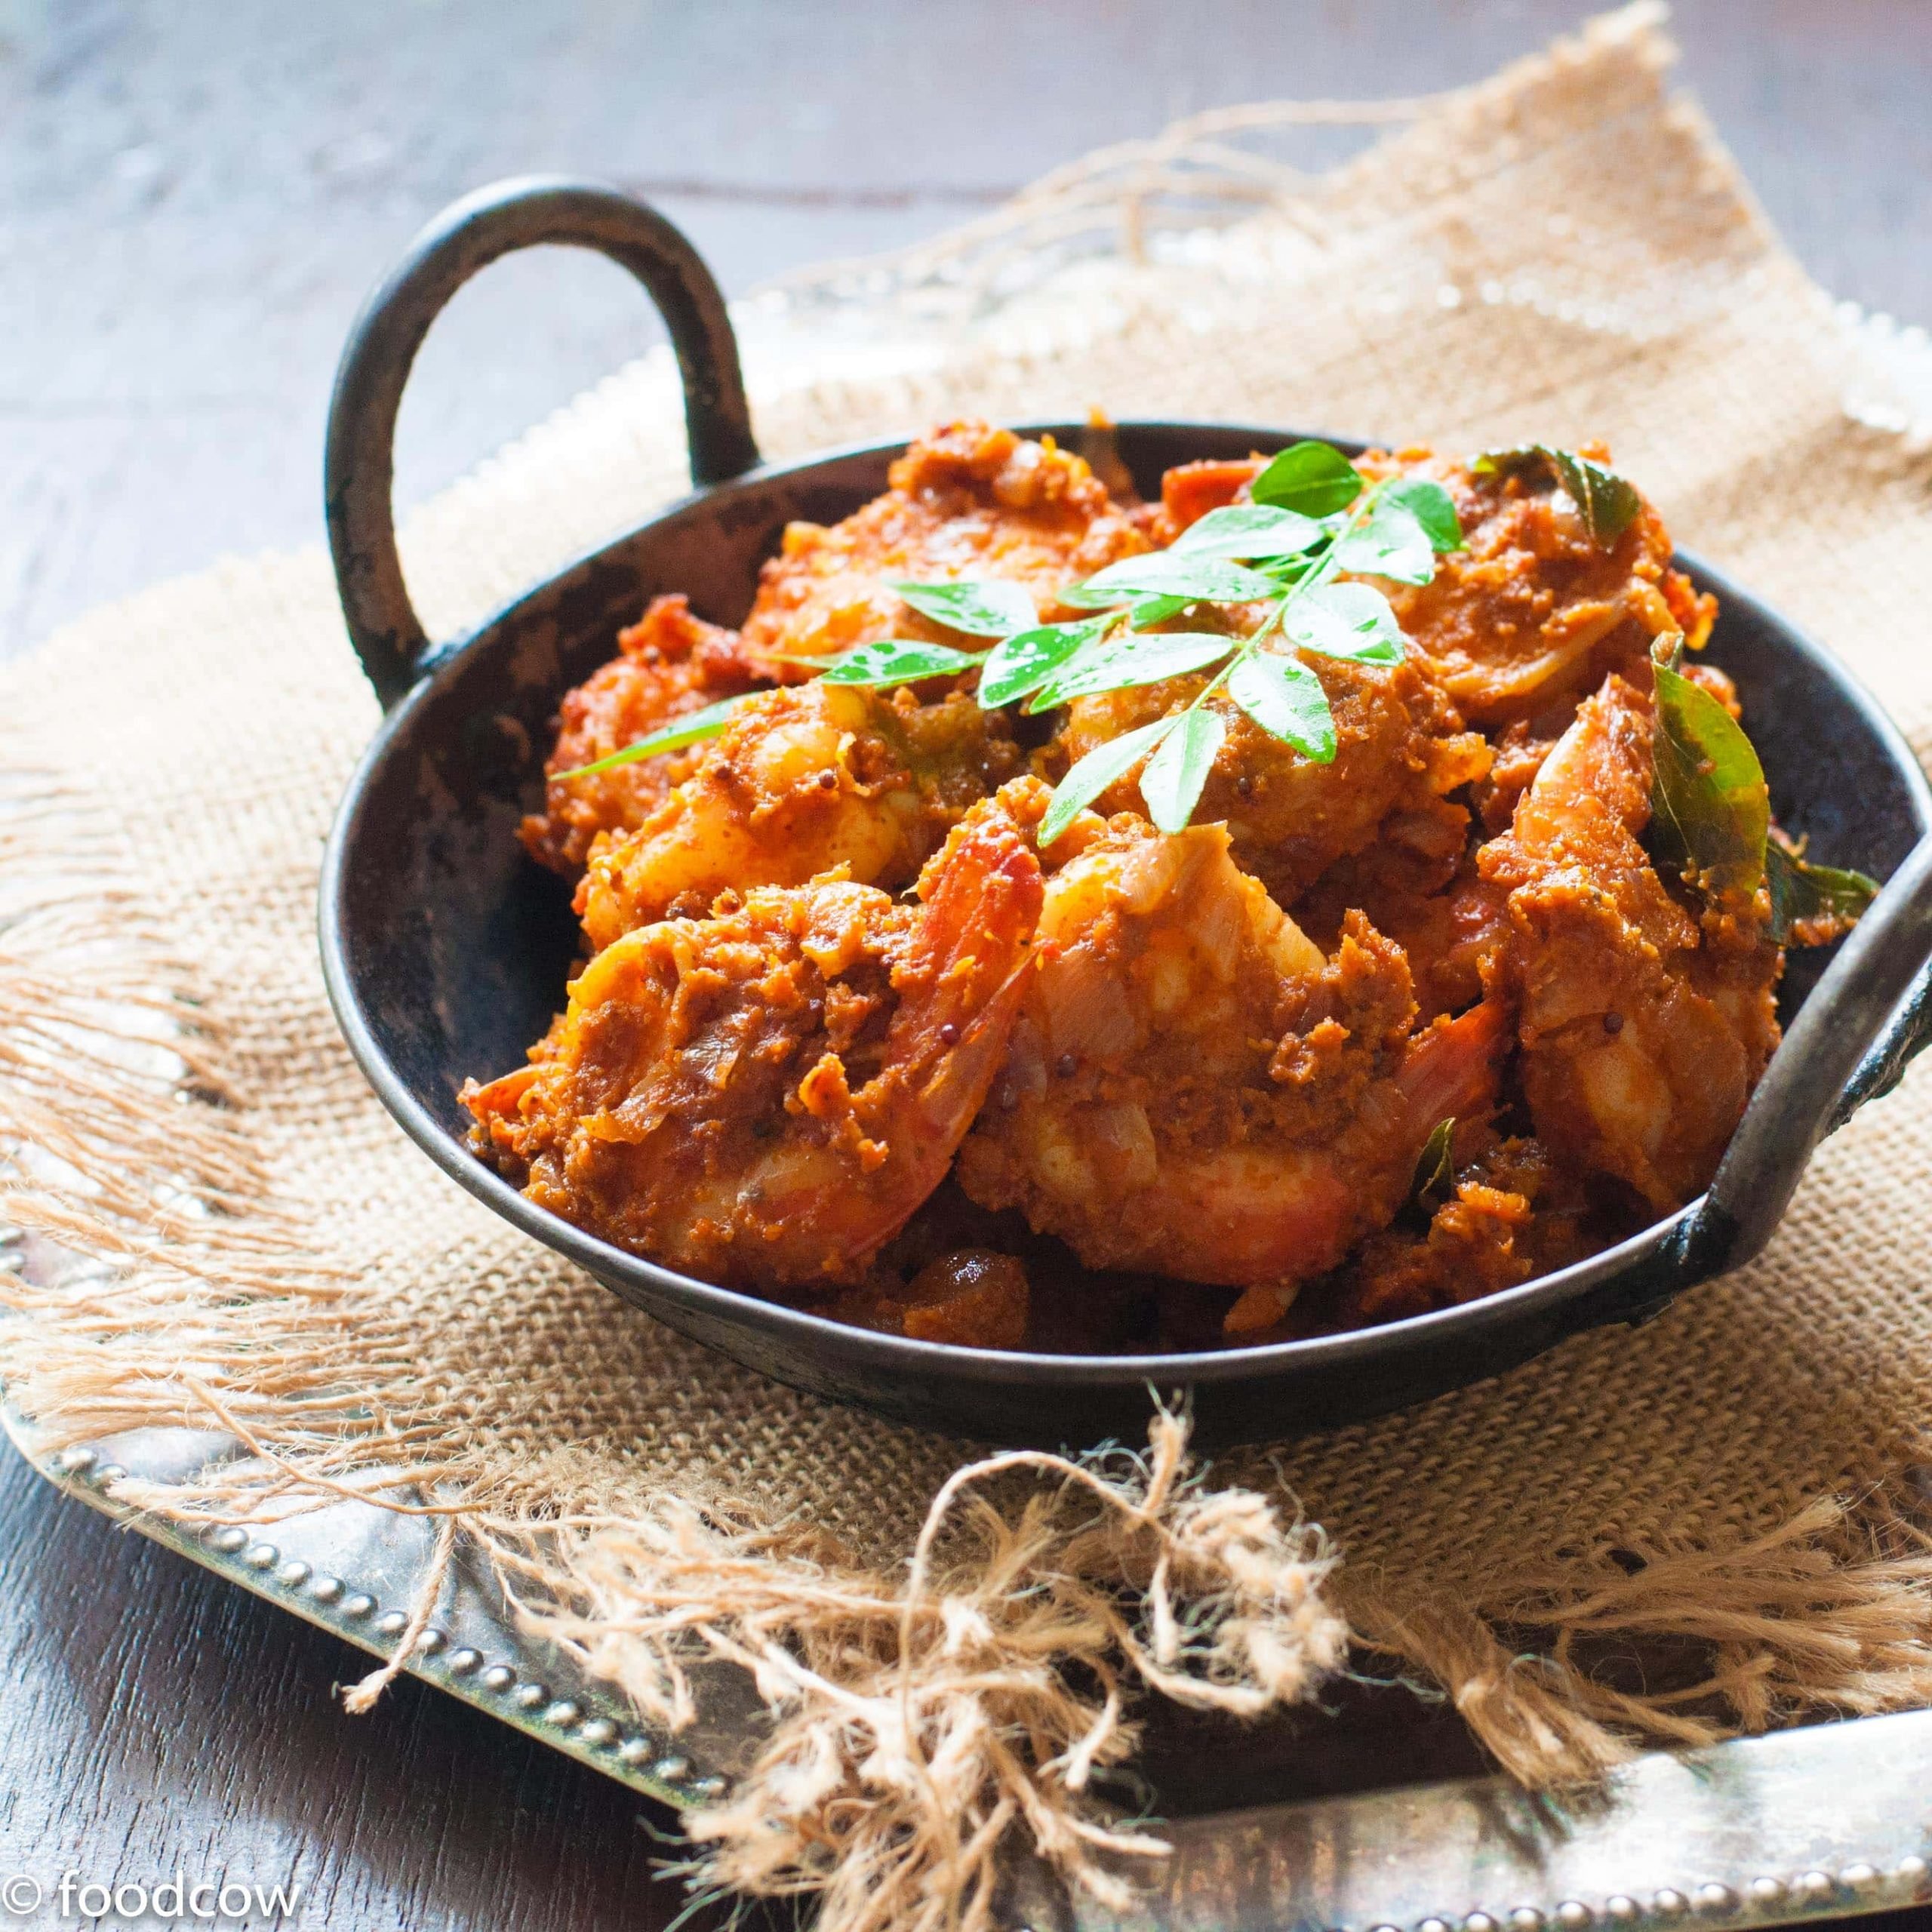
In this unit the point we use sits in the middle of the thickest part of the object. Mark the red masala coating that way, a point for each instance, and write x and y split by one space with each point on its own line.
669 662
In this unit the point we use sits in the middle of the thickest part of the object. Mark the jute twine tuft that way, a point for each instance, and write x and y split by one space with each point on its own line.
951 1651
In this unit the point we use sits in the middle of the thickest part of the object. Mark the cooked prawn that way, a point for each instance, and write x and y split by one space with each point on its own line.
763 1097
668 663
1642 1031
1193 1088
803 781
1532 613
969 501
1400 749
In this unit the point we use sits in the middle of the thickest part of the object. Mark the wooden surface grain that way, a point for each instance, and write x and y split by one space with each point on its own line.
193 201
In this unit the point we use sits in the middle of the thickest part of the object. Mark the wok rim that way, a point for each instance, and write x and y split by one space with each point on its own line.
644 1283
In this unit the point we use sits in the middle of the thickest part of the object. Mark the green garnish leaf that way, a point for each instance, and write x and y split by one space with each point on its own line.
1431 506
1286 700
1172 782
1709 807
1313 478
1167 573
1096 772
1250 530
897 661
1024 662
1391 543
1153 610
1802 892
1122 663
693 728
1142 612
1434 1183
1607 504
1346 620
981 609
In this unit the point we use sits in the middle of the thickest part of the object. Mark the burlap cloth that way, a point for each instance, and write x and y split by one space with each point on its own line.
1564 252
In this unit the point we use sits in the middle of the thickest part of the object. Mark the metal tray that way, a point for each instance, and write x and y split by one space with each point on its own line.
1823 1821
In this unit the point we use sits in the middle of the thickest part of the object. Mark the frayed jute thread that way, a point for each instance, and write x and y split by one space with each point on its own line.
1831 1611
361 1695
261 1253
917 1723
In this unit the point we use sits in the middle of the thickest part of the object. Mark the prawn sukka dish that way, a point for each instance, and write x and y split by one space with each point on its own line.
1326 893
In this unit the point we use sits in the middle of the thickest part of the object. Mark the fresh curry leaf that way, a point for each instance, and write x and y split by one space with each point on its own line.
1314 478
1431 506
1165 573
1710 811
981 609
897 661
1607 504
1095 772
1346 620
1250 530
1390 542
693 728
1151 611
1024 662
1142 612
1172 782
1123 662
1286 700
1084 597
1434 1182
1804 894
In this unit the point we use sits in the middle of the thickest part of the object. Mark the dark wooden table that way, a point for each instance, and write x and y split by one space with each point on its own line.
192 201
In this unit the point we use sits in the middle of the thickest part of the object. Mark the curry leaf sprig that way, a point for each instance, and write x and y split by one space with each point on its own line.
1711 812
1313 517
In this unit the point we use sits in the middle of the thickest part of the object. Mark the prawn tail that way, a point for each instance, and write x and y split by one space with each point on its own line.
961 1077
961 985
500 1134
1600 767
982 892
1454 1070
921 1113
